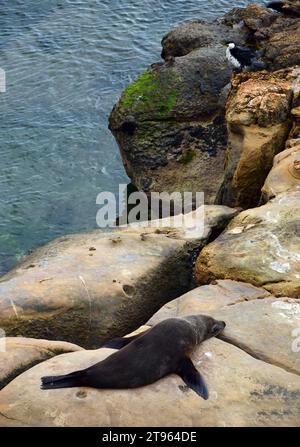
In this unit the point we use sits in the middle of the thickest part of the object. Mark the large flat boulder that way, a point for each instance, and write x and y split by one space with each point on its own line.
209 298
260 246
244 391
20 354
266 328
252 373
256 321
89 287
262 325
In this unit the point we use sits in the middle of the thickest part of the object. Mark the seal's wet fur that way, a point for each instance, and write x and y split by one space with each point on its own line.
147 357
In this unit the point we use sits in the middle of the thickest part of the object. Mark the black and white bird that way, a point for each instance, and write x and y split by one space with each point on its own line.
243 58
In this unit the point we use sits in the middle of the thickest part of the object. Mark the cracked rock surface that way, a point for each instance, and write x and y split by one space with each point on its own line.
267 329
87 288
260 246
244 390
19 354
259 119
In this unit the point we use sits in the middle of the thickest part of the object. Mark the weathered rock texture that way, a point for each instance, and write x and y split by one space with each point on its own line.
285 173
277 35
87 288
262 325
244 390
258 117
19 354
170 123
271 323
209 298
260 246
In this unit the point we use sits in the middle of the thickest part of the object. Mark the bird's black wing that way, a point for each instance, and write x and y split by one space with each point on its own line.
243 55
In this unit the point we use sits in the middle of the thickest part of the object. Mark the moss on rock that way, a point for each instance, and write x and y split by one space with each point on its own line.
152 91
187 157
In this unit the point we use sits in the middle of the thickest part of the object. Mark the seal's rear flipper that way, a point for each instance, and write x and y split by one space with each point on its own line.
118 343
193 379
65 381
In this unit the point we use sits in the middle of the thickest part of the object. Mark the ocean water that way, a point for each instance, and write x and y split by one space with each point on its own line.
66 63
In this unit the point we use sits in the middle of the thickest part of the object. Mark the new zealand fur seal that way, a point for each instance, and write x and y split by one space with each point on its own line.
147 357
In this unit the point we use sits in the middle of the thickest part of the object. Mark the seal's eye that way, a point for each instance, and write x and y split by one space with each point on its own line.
215 329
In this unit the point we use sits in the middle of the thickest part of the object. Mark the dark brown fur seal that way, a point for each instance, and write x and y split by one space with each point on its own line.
147 357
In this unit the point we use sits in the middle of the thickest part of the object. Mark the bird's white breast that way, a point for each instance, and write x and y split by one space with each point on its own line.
232 59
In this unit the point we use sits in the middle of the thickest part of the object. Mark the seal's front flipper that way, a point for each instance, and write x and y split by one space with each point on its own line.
118 343
193 379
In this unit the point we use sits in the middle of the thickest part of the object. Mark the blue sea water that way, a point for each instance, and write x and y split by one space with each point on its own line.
66 63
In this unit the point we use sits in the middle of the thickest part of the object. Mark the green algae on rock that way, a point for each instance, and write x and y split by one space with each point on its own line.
152 91
171 111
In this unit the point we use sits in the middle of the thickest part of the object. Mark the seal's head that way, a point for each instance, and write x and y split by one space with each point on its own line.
205 326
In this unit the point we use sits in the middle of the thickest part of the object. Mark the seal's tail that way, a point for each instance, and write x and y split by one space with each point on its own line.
66 381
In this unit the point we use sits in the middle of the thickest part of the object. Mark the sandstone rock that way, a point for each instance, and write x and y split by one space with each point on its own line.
260 246
262 325
285 174
243 392
21 354
6 422
209 298
89 287
265 328
258 120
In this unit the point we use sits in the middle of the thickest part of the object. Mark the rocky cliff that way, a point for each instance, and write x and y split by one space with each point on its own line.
175 127
186 124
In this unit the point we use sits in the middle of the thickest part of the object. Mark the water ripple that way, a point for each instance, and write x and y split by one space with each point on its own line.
66 63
